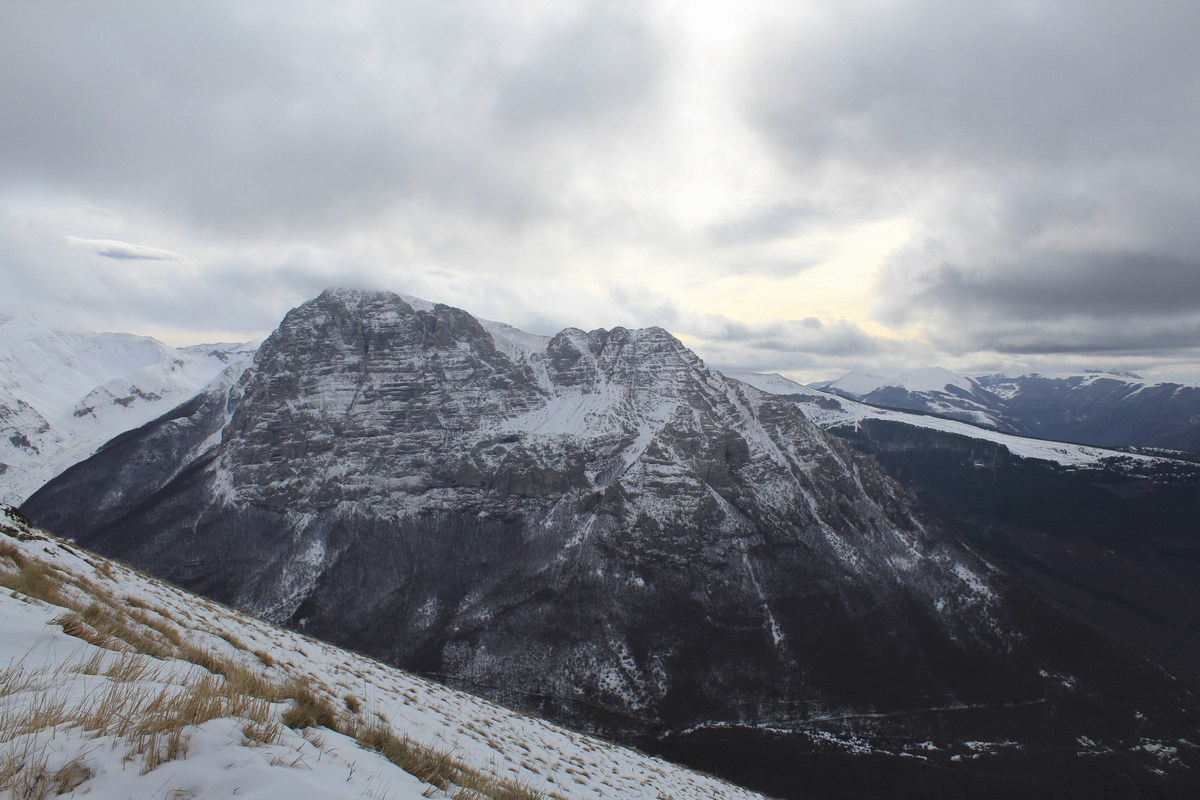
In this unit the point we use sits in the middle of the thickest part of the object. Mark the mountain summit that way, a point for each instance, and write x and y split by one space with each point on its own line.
597 526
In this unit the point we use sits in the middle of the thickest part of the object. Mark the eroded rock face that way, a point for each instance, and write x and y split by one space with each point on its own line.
594 525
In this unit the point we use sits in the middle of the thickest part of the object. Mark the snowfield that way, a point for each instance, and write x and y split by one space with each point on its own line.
114 684
63 395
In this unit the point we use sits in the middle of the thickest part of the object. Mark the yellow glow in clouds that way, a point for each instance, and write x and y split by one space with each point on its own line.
841 285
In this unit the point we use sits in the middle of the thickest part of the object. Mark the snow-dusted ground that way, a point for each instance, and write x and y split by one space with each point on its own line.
927 379
832 411
62 395
87 718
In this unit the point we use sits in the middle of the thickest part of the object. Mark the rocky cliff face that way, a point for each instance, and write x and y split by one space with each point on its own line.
594 525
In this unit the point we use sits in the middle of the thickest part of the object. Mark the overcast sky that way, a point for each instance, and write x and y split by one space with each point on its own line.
796 187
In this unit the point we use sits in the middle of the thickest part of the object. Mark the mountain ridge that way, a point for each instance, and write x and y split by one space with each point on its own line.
1098 407
604 530
62 395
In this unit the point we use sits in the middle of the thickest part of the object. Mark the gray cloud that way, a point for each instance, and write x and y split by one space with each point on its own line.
929 82
122 251
1098 285
1046 149
503 157
242 121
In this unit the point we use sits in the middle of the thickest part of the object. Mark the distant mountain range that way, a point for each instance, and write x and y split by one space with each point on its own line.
1107 536
597 527
1109 409
63 394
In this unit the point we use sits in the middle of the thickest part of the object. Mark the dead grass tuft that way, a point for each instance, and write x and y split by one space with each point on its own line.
205 658
12 553
159 625
234 641
439 768
32 579
110 620
309 709
25 775
74 625
267 732
431 766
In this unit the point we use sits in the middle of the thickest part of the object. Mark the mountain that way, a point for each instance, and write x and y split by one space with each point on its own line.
1108 536
839 414
62 394
597 527
1109 409
113 684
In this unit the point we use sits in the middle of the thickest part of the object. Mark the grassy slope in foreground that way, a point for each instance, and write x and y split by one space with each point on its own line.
115 684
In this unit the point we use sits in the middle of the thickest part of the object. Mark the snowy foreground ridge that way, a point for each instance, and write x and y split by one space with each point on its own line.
113 684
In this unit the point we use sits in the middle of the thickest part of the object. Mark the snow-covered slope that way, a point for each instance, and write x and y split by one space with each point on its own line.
928 379
62 395
931 389
1106 408
113 684
832 411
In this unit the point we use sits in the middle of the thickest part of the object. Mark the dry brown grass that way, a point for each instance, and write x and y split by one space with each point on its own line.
154 724
476 786
110 628
440 768
159 625
11 553
233 641
32 578
433 767
73 625
26 775
309 709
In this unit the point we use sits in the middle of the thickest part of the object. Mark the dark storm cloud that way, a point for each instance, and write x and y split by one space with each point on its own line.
928 82
1099 285
233 119
1047 150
